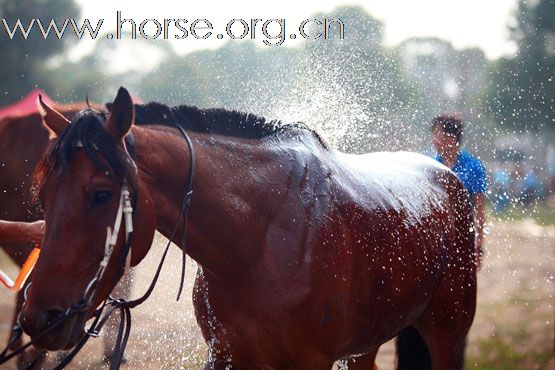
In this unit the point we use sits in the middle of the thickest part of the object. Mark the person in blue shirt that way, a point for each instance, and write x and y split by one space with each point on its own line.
447 132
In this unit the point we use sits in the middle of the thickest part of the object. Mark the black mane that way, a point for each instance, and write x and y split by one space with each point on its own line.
87 131
210 121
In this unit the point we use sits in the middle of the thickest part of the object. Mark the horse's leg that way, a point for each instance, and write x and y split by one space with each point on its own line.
222 365
447 320
366 362
446 348
412 352
224 361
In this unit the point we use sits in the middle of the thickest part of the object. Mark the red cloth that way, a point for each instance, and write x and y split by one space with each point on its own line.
25 106
28 104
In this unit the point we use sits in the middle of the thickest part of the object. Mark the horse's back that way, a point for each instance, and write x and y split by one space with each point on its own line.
394 180
404 192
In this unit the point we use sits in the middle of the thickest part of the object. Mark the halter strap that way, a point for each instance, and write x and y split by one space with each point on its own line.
185 206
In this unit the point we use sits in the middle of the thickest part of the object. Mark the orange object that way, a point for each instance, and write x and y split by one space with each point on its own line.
23 274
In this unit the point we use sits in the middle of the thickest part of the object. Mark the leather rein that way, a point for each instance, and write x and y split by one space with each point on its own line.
125 215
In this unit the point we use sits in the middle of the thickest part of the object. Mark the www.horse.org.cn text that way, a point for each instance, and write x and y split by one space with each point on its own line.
272 32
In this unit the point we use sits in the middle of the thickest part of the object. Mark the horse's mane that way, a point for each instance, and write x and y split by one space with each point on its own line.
87 131
211 121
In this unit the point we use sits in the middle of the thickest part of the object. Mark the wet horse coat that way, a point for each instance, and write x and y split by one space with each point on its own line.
306 255
354 249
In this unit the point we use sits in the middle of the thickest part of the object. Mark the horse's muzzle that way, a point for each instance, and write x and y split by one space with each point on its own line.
52 330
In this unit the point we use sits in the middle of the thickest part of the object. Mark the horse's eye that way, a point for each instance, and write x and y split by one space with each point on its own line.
101 197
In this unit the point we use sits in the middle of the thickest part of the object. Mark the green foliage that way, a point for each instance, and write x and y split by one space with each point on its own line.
231 76
521 92
333 83
23 59
71 81
541 213
504 351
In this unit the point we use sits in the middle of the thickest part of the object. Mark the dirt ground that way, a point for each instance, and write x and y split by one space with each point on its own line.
515 290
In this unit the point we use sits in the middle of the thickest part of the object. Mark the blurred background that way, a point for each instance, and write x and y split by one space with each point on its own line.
400 64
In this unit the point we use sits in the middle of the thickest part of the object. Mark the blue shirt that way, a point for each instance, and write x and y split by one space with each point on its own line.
470 170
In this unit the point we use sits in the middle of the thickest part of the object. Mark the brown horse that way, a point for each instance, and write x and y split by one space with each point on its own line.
306 255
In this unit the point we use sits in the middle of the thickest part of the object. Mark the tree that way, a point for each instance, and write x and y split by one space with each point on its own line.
24 59
522 89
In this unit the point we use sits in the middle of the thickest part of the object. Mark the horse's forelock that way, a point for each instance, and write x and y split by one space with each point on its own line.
86 132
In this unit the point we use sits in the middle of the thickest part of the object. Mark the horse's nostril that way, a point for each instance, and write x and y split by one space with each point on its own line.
48 317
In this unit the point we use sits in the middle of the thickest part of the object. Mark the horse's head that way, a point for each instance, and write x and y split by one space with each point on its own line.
81 183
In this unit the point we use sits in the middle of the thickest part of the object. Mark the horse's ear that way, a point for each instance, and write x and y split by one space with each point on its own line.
53 120
122 114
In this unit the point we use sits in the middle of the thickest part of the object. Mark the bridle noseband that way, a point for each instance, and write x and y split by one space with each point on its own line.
125 214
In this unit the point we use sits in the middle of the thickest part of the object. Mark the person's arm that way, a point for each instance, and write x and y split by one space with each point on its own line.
13 232
478 190
480 220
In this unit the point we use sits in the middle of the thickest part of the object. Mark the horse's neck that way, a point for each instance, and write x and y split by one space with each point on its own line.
221 233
